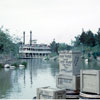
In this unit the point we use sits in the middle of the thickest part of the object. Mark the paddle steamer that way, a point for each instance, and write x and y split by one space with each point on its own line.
33 50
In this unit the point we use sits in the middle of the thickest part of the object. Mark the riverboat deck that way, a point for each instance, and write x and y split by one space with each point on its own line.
34 51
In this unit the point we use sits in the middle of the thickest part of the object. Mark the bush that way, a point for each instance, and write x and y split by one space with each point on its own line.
15 64
94 55
1 65
53 54
24 63
47 58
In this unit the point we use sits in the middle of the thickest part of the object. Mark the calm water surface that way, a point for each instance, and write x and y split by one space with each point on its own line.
22 83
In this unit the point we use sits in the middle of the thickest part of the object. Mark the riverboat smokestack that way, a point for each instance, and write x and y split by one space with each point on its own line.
30 37
23 38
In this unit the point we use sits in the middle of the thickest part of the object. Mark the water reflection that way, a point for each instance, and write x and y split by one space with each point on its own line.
91 65
22 83
5 83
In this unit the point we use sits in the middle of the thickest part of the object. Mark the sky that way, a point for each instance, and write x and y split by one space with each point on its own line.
61 20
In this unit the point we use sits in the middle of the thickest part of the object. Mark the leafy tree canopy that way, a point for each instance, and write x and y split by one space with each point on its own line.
6 43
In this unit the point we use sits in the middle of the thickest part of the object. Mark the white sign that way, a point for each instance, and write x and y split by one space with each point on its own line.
90 81
66 82
70 62
51 93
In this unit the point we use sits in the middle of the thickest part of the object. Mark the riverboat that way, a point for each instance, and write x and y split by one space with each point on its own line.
33 50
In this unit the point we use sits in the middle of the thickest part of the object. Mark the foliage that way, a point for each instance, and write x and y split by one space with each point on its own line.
63 46
47 58
15 64
1 66
83 38
87 39
55 47
88 43
98 37
7 44
53 54
77 41
24 63
90 39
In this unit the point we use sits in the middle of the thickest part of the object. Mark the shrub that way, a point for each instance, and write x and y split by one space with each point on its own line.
15 64
24 63
1 65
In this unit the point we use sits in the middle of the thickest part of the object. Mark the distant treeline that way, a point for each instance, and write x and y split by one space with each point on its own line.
55 47
88 38
7 45
86 41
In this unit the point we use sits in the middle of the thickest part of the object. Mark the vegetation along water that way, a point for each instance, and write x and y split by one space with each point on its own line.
22 82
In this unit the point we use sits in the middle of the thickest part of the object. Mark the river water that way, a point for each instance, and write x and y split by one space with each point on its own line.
22 83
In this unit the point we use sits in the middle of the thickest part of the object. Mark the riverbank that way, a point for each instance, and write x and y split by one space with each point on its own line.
55 58
10 60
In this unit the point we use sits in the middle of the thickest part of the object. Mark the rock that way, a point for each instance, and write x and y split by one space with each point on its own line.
6 66
12 67
21 66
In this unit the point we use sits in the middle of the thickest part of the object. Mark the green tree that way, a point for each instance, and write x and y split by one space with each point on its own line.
87 38
98 37
6 43
64 46
77 41
53 46
90 39
83 37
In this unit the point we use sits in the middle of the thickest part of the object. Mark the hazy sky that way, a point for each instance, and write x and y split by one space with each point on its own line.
49 19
